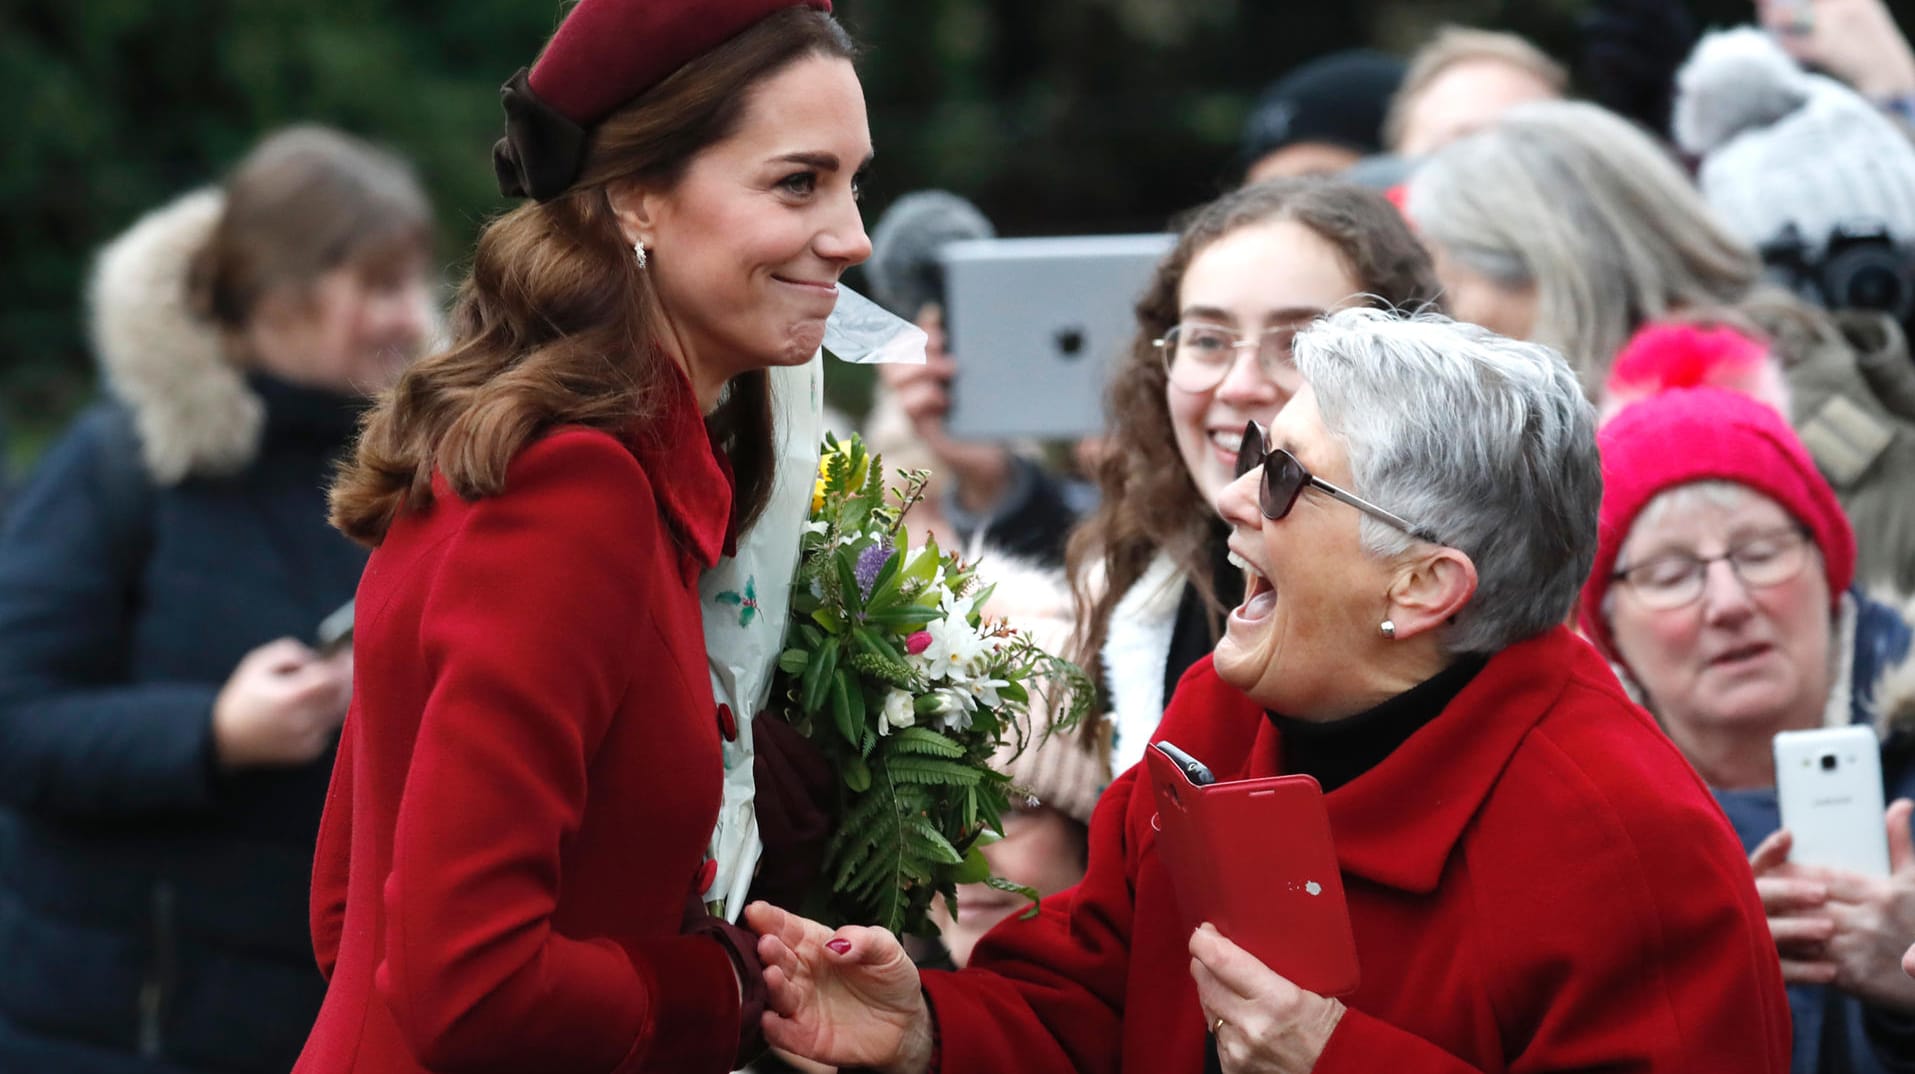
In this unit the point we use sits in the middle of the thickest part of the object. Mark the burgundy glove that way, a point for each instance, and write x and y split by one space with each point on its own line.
742 945
797 802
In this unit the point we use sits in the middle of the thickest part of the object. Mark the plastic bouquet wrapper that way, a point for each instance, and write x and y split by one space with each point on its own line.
892 671
746 597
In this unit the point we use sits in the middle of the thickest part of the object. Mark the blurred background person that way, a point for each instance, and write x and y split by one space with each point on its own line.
1722 592
1798 166
1322 117
1565 224
1856 41
981 492
1461 81
167 725
1149 573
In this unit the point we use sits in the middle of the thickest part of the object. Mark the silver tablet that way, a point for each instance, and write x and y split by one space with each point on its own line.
1036 326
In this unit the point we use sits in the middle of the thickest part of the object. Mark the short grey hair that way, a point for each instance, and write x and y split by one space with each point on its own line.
1485 442
1591 211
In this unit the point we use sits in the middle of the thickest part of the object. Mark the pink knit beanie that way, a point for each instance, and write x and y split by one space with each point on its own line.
1686 435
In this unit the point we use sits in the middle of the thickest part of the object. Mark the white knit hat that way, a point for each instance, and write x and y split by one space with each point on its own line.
1782 146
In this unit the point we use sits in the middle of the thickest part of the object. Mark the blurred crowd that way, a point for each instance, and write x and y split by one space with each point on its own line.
1715 229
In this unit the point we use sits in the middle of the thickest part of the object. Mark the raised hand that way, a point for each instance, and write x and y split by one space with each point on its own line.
849 997
1857 41
1796 906
1874 918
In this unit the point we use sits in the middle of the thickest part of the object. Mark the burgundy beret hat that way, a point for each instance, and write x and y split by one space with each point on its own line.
604 54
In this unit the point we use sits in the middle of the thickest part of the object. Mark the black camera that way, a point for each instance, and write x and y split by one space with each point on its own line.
1861 267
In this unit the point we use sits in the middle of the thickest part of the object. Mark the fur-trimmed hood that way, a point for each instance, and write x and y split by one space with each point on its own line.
1892 702
194 412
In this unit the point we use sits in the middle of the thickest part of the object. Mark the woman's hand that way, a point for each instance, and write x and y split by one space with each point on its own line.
1268 1023
282 706
1796 905
1843 928
1857 41
849 998
1874 920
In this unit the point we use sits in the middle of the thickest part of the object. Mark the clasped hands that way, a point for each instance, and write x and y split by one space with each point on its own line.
1834 927
852 998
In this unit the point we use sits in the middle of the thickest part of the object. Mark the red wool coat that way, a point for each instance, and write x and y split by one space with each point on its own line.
1537 882
529 777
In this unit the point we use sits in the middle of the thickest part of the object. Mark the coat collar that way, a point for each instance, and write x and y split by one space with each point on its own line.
1397 824
690 474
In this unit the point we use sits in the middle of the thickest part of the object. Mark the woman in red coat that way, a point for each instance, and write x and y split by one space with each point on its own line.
1536 879
531 767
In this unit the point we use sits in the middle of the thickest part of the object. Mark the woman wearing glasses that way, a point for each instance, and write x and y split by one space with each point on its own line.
1722 591
1148 573
1536 879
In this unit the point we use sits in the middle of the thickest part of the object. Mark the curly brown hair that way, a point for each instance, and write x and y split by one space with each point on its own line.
1149 501
556 323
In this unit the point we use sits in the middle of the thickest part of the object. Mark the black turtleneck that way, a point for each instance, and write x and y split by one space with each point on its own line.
297 415
1341 750
1338 751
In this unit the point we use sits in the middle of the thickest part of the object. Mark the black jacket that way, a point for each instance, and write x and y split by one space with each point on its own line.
153 910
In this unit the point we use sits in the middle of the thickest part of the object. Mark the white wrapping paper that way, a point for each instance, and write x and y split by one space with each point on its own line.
746 598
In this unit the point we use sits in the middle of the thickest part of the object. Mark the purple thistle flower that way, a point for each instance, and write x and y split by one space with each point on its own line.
870 562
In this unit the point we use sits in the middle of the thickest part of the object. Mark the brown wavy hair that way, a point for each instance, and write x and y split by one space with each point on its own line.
556 324
303 202
1149 502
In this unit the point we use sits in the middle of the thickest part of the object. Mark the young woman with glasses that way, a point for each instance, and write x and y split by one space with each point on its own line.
1148 571
1722 591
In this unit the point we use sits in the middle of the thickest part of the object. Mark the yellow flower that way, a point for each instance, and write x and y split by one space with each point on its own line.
857 476
817 495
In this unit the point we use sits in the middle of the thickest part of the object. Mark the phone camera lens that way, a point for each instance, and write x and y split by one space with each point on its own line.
1828 762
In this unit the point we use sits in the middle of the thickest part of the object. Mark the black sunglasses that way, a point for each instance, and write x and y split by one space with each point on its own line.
1285 477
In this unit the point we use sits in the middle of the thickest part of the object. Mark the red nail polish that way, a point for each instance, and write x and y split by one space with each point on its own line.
843 947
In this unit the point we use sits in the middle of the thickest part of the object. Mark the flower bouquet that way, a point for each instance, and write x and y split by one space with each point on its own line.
892 671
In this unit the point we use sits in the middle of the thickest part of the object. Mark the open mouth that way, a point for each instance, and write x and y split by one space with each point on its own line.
1259 596
1226 442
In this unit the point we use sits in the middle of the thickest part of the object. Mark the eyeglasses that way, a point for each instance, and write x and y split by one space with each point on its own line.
1285 477
1198 356
1678 578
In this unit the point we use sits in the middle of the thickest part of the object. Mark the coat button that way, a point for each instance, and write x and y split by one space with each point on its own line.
707 873
727 723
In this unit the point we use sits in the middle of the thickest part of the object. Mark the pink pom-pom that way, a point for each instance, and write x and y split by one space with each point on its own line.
1667 354
918 642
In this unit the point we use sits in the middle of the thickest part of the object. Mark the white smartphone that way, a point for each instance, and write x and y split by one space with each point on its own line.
1829 783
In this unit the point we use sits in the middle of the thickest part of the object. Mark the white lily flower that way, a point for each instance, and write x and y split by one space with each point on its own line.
897 712
954 648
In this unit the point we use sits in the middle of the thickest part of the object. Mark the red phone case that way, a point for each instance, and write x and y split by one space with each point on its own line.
1254 858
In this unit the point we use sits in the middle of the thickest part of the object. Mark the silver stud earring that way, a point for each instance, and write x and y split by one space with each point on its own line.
1388 629
638 251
